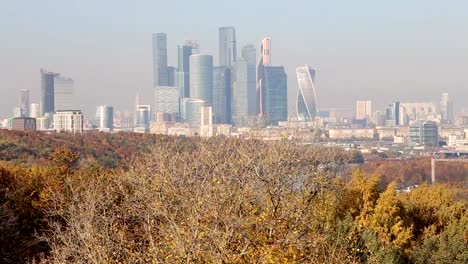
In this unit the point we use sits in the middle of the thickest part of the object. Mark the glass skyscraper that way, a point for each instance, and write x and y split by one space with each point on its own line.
24 102
274 95
104 119
201 78
160 71
227 46
166 100
183 70
222 95
240 91
190 110
265 60
47 91
306 103
63 93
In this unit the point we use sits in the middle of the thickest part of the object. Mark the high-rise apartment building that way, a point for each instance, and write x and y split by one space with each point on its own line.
227 46
306 102
24 102
274 95
47 91
104 118
68 121
201 78
363 109
446 108
160 71
222 95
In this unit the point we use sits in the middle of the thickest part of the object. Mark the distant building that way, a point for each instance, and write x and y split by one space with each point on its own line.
68 121
17 112
418 111
227 46
166 100
347 133
47 91
265 60
190 110
446 109
425 133
160 69
393 114
306 98
249 53
42 123
24 102
24 124
183 70
274 96
143 116
171 76
63 93
105 118
35 110
206 121
364 109
244 97
222 95
201 78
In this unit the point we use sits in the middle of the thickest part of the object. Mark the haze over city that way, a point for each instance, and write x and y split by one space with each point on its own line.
398 50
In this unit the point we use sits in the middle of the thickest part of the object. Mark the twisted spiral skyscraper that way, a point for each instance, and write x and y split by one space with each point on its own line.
306 103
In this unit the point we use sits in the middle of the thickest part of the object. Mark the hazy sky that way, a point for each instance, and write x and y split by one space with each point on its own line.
408 50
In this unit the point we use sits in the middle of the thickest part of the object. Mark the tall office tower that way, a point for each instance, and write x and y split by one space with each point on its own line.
166 100
274 95
240 93
63 93
143 116
171 76
104 118
68 121
222 95
249 53
24 102
183 69
446 109
160 72
363 109
35 110
190 110
306 103
201 78
227 46
393 114
265 60
47 91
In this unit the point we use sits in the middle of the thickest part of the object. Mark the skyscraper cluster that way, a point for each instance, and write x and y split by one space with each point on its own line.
239 89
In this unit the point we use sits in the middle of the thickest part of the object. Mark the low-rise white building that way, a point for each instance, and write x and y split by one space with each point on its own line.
68 121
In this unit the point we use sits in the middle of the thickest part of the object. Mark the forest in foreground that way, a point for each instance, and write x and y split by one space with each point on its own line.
149 199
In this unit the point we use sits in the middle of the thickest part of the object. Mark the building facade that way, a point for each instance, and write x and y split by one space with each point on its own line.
160 71
306 102
166 100
24 102
68 121
201 78
47 91
183 69
425 133
105 118
222 95
63 93
190 110
24 124
363 109
274 95
227 46
143 116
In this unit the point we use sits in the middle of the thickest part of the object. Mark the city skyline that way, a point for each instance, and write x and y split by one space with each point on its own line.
370 61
